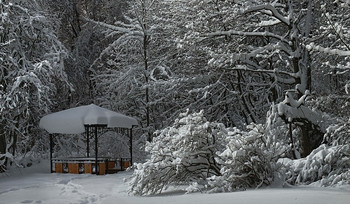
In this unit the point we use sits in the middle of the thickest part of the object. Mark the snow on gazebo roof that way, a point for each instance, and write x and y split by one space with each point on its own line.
73 120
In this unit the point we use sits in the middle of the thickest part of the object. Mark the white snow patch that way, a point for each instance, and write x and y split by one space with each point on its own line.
34 185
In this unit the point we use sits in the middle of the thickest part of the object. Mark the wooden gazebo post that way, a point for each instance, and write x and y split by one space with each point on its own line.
87 130
51 150
96 151
130 147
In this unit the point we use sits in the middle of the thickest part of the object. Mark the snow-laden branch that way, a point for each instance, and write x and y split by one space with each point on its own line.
294 110
266 71
302 112
345 1
242 33
122 40
7 43
313 47
334 26
109 26
271 8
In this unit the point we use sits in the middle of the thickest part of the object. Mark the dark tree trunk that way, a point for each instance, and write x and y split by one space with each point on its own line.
2 148
310 138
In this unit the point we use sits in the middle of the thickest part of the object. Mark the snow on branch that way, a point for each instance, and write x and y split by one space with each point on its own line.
109 26
242 33
313 47
267 71
271 8
295 113
345 1
294 110
7 43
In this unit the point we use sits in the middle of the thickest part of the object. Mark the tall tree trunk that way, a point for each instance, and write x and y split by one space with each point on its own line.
310 137
2 148
146 69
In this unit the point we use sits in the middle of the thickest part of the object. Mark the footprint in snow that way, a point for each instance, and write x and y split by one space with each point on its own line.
31 201
27 201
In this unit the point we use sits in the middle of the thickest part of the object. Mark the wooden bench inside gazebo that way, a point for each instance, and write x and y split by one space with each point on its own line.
90 120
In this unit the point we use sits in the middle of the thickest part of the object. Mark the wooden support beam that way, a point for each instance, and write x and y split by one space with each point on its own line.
130 147
51 150
96 151
87 130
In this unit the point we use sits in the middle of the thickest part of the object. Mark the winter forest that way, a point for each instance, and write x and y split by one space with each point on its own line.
228 94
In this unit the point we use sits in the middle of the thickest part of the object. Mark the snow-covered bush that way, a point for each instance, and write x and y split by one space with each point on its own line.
206 156
180 154
325 166
338 134
249 160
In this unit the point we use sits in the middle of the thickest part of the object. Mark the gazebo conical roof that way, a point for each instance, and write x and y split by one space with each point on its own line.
74 120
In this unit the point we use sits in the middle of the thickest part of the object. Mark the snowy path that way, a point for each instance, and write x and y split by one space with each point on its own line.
88 189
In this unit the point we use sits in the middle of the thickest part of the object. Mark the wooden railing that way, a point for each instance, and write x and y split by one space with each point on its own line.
86 165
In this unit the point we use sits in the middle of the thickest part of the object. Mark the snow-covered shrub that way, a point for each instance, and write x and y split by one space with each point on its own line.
338 134
325 166
249 160
180 154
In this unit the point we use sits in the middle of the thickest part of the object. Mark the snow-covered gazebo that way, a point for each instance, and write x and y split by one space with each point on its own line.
86 119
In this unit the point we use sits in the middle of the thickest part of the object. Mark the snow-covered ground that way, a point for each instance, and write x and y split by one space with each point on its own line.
36 185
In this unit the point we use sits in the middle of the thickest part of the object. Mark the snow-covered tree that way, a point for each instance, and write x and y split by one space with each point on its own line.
84 40
128 70
265 46
31 66
192 84
330 47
